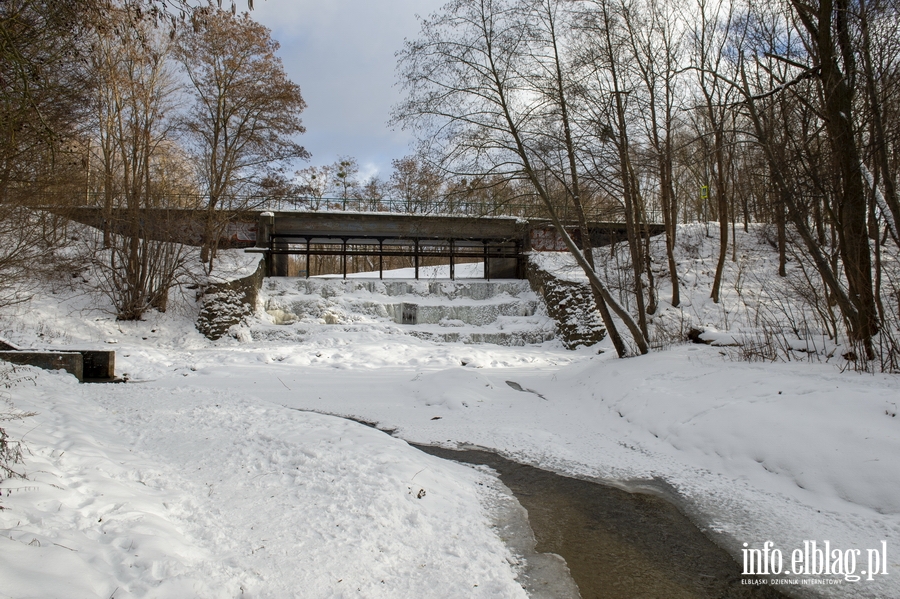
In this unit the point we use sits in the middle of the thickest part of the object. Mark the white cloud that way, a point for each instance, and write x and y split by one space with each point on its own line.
341 53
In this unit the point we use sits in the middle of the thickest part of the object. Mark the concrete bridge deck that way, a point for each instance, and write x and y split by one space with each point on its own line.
501 240
186 226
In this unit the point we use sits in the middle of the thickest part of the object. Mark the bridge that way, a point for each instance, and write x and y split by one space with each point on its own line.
502 242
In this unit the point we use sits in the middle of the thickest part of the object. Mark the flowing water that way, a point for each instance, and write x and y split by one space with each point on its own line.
618 545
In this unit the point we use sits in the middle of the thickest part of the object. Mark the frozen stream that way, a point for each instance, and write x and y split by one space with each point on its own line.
617 545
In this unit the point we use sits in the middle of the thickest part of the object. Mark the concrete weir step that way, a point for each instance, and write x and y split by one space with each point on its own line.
503 312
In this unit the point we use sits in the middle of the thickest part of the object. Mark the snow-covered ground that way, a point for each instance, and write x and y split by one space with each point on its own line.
217 471
184 492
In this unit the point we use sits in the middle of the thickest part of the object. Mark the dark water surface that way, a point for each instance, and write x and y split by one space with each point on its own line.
618 545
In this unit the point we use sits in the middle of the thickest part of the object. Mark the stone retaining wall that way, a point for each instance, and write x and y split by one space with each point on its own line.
224 305
571 305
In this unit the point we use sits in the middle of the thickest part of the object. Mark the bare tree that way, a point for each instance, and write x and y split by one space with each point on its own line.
416 184
607 94
131 68
43 98
471 94
710 44
880 53
345 180
830 44
801 97
373 191
315 184
246 113
565 169
655 39
42 93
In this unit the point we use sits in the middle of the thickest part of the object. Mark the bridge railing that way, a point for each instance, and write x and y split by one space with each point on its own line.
522 208
397 206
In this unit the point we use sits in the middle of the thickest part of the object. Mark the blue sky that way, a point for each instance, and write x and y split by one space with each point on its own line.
341 54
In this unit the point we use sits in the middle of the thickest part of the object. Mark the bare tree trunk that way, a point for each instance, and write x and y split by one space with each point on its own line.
634 241
644 238
838 109
670 217
586 245
797 216
722 208
879 138
782 238
210 234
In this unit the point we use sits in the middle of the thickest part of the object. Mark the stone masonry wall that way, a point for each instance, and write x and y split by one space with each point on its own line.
571 305
224 305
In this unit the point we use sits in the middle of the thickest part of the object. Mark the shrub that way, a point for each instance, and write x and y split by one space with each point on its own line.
10 451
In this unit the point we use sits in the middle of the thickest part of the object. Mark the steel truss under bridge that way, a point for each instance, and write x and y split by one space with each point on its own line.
500 242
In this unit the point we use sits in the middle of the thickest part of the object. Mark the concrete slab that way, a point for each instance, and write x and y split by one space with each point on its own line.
90 366
71 362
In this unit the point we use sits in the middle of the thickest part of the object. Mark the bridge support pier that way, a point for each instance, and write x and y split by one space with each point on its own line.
277 264
452 263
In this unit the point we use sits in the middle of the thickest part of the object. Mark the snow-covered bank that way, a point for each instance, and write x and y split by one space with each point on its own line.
813 462
145 491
